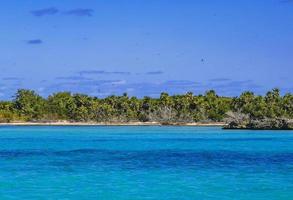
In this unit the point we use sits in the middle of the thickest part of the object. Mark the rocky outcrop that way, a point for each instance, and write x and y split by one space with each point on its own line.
261 124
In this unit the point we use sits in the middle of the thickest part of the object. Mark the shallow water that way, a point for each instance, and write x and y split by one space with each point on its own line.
144 163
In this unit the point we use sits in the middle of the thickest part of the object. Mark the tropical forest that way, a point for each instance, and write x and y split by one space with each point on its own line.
270 111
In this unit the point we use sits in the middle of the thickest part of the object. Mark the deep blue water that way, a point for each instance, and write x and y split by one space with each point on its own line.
132 163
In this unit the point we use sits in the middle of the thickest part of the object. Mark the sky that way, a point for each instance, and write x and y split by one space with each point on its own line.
145 47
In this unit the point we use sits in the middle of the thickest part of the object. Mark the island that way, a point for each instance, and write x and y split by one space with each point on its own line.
247 111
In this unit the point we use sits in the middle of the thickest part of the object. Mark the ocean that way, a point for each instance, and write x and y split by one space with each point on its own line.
144 162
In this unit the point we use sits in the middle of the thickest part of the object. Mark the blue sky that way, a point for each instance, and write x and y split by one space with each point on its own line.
144 47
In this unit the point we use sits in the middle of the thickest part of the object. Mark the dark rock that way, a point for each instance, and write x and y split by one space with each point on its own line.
262 124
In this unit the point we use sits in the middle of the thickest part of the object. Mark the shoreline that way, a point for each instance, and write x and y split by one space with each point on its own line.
108 124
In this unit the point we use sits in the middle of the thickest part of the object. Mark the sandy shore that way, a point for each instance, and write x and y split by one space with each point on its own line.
65 123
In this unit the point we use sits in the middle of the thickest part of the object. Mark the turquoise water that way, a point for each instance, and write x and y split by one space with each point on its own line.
132 163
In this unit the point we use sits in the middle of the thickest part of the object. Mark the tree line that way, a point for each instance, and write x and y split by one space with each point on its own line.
27 105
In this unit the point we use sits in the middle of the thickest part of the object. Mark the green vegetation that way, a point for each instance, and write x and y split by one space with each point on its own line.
210 107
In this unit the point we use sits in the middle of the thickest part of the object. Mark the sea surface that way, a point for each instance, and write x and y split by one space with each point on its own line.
151 163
